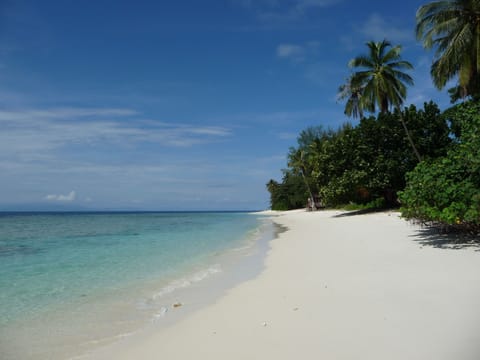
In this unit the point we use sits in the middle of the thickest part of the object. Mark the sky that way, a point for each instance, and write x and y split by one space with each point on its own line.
176 105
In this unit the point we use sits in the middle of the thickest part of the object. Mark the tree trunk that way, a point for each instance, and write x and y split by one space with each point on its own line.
312 199
409 137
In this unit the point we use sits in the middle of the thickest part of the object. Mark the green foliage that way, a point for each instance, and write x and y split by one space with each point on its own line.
430 129
370 161
360 164
453 29
380 81
291 193
446 190
372 205
351 93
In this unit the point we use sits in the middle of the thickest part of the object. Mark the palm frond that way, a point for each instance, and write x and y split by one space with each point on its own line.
452 28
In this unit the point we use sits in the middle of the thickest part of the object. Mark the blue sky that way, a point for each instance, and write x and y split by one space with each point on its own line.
176 105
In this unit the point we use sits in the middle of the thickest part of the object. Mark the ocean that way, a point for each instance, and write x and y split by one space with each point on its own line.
70 282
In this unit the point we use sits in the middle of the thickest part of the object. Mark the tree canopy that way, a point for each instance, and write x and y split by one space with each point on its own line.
446 189
364 163
370 164
452 28
379 77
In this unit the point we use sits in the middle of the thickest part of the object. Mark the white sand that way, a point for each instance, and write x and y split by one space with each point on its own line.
356 287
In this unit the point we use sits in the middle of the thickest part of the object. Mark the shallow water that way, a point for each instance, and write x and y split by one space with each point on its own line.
72 281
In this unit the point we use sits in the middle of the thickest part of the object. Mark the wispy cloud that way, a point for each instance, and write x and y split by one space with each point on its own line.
286 4
308 58
164 181
306 4
291 51
35 133
69 197
61 113
281 119
298 52
376 27
274 13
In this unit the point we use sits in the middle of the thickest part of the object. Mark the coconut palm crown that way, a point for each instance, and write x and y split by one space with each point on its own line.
380 76
352 93
453 28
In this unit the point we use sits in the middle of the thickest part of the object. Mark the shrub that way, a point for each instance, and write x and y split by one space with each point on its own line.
447 190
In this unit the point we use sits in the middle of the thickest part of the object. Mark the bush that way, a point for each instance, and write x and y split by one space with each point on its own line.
447 190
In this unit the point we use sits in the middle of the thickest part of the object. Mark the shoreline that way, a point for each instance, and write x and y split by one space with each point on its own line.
232 267
334 286
72 330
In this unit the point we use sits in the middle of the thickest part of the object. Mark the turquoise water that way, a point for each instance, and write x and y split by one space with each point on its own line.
58 269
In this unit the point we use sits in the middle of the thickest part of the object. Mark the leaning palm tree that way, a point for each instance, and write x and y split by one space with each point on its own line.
352 93
382 80
453 28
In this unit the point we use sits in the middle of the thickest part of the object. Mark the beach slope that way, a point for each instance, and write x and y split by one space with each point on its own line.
336 286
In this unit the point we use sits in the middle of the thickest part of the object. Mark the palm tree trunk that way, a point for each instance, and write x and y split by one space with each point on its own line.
409 137
477 33
312 199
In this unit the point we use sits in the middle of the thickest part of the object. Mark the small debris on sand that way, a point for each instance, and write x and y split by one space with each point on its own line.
177 304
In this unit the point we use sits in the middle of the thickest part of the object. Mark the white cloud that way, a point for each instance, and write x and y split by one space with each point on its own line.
281 119
275 13
307 51
290 51
286 4
69 197
62 113
377 28
306 4
34 134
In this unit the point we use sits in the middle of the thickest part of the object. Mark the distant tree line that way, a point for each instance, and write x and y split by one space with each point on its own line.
359 164
423 160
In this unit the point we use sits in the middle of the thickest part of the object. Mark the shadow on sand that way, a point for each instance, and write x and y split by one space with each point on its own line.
361 212
433 236
430 235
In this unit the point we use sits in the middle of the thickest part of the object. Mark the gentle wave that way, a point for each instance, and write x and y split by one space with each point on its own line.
187 281
127 272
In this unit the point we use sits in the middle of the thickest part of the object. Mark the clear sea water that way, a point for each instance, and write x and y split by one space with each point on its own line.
69 281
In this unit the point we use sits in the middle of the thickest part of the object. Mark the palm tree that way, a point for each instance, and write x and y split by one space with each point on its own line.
298 163
382 81
381 76
352 93
453 28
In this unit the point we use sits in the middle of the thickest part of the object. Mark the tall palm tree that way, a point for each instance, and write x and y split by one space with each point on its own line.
381 76
453 28
382 80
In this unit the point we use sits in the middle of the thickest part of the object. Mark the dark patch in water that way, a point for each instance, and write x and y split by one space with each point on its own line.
6 250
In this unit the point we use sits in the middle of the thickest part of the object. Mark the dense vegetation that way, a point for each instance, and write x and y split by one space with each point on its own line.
361 164
423 159
446 190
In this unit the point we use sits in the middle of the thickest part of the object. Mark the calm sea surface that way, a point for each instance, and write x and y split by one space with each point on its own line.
71 280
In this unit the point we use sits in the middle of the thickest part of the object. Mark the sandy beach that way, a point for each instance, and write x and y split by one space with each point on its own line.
336 286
